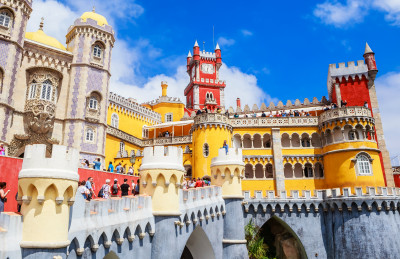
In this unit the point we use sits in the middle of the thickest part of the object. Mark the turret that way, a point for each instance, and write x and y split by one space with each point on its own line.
196 51
161 175
369 57
47 187
164 86
218 55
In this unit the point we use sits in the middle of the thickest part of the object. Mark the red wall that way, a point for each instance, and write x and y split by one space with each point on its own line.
396 180
10 167
355 92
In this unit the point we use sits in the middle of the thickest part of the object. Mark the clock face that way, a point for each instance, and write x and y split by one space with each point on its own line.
193 71
207 68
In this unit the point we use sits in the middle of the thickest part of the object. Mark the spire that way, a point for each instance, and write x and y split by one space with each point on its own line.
217 47
367 49
189 54
196 44
94 9
41 24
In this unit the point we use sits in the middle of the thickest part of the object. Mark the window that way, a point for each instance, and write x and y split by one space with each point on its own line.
46 91
89 135
363 164
206 150
114 120
93 103
168 117
145 133
97 51
32 90
308 171
122 147
353 135
5 19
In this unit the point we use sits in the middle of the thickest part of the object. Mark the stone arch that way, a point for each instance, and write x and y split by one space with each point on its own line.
285 140
288 170
328 136
347 129
295 140
248 171
198 246
237 141
359 129
305 140
257 141
337 134
308 170
259 172
318 170
315 140
269 171
51 192
247 141
267 141
73 246
298 170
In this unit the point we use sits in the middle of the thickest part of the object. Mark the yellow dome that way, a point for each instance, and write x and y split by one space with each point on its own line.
101 20
41 37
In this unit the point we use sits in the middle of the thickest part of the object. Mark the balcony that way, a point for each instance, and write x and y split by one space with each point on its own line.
274 122
344 113
187 139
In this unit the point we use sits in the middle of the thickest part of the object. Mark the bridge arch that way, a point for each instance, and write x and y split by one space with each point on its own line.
198 246
281 239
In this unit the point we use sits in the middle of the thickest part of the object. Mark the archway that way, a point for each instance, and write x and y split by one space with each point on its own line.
282 241
198 246
111 255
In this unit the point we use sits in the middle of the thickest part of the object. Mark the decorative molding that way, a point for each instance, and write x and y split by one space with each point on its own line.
309 121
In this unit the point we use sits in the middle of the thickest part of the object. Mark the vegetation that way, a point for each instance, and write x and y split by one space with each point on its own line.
255 243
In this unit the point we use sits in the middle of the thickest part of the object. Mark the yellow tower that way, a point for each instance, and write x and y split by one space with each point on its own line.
209 132
47 188
161 175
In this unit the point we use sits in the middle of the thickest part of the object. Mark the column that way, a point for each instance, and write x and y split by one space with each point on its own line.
338 95
278 160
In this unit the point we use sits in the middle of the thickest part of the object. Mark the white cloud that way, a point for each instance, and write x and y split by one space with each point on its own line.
340 14
388 87
225 41
247 33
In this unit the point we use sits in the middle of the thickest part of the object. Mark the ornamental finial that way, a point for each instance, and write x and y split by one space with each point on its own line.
94 9
41 24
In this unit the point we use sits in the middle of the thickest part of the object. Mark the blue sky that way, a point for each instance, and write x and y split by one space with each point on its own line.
272 50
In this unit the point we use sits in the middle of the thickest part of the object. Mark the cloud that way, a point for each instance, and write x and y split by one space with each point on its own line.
247 33
388 87
341 15
333 12
225 41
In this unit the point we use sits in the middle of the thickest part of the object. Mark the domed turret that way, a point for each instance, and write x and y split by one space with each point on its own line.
41 37
101 20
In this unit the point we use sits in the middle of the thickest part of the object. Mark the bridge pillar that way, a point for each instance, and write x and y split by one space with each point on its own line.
227 170
46 190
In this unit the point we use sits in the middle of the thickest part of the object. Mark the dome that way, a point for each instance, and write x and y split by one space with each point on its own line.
41 37
101 20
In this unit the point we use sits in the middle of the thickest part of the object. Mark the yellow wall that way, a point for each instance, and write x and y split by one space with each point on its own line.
163 108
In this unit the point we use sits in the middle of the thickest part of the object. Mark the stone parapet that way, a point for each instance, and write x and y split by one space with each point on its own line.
211 119
160 157
309 121
232 157
10 235
345 113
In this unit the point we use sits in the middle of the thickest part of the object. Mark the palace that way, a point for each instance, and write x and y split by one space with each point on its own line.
53 93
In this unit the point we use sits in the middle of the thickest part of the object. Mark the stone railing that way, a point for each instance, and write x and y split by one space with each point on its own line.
168 141
211 118
124 136
380 197
343 113
274 122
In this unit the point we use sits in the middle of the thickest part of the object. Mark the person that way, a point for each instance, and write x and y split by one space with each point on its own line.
89 186
198 112
254 115
167 133
137 187
326 108
83 190
366 104
125 188
225 145
110 167
236 115
184 184
130 171
192 183
115 188
105 190
133 187
119 168
3 195
343 103
2 150
85 163
263 114
219 110
97 164
199 183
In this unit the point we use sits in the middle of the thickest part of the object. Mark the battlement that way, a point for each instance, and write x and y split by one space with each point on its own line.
62 164
160 157
200 195
233 157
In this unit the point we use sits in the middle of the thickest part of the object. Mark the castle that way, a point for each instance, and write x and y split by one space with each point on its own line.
322 184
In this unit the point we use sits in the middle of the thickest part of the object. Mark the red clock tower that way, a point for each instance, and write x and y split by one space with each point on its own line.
204 89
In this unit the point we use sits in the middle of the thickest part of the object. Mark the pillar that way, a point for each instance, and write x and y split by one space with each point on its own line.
278 160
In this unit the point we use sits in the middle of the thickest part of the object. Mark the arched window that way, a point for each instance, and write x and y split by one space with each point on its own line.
308 171
269 172
32 90
363 162
353 135
121 147
5 19
211 96
89 135
93 103
305 140
46 91
114 120
206 150
97 51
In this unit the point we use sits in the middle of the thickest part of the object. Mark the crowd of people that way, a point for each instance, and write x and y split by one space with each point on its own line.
118 168
195 183
107 190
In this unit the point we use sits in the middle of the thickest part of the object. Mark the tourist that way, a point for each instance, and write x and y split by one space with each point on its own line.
192 183
225 145
166 134
219 110
110 167
97 164
2 150
105 190
326 108
125 188
137 187
236 115
85 163
199 183
254 115
343 103
83 190
130 171
198 112
89 186
119 168
263 114
184 184
366 104
133 187
3 195
115 188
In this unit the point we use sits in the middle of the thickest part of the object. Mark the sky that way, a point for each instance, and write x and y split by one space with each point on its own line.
271 50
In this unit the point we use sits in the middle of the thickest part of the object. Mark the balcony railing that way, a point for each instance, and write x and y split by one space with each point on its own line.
274 122
344 112
168 141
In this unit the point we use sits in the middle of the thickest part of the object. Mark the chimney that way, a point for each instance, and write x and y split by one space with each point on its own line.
164 86
238 102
